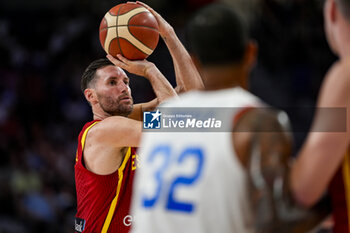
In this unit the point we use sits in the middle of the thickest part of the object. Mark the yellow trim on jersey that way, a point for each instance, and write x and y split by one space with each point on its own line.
115 199
83 139
346 177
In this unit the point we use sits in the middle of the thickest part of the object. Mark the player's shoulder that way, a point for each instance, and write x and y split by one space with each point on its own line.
112 119
336 84
117 124
340 70
344 63
345 68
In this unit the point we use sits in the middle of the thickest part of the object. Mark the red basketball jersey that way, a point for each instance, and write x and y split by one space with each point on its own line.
103 201
339 190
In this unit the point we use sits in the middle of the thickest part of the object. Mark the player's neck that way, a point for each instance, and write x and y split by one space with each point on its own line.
216 78
98 116
344 50
98 113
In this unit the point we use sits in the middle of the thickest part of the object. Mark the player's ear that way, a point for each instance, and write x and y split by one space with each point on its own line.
250 55
90 95
333 10
330 8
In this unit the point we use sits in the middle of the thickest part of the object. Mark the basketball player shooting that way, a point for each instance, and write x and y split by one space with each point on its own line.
106 157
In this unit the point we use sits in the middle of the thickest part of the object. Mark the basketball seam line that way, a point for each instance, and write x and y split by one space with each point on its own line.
105 28
116 23
137 47
129 40
140 42
127 28
136 37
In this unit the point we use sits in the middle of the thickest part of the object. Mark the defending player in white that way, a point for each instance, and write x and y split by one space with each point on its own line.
230 181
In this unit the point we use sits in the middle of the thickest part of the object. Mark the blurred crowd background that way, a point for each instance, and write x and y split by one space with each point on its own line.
46 45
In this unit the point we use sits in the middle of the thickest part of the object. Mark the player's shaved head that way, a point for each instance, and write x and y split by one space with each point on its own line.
216 35
89 74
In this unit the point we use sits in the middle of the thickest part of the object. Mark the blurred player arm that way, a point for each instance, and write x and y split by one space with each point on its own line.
324 149
187 75
161 86
263 144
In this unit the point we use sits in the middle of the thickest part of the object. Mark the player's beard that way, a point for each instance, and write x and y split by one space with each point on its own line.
115 107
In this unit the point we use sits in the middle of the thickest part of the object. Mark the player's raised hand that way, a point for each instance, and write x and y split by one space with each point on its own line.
138 67
164 27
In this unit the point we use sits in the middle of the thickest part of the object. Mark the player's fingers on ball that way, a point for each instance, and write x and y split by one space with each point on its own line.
150 9
123 59
116 61
145 5
111 58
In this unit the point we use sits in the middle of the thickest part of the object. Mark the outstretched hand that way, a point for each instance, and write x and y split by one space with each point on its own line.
164 26
138 67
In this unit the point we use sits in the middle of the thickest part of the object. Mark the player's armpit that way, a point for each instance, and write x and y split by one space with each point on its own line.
117 131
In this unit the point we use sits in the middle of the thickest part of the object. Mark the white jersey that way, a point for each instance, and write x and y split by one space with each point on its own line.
193 182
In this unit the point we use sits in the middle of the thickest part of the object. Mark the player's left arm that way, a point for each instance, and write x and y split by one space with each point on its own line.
138 109
323 152
263 143
187 75
161 86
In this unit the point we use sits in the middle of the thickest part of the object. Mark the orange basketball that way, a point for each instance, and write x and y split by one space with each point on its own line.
129 29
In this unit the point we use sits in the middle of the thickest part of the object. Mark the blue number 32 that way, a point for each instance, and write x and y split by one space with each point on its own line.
171 202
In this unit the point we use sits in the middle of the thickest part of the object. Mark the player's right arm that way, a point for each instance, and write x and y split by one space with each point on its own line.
107 141
117 131
187 75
